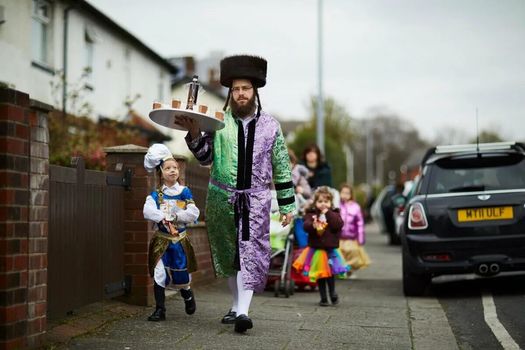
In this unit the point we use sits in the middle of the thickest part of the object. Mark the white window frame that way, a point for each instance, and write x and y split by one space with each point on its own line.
41 31
89 53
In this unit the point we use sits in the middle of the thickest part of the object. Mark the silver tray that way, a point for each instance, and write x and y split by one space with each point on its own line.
168 117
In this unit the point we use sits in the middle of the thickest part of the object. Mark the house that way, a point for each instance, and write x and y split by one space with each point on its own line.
108 71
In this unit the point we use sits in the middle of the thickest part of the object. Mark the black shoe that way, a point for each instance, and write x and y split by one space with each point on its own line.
229 318
189 301
335 299
242 323
324 302
157 315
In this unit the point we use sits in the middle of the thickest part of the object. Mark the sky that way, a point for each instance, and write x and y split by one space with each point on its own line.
430 62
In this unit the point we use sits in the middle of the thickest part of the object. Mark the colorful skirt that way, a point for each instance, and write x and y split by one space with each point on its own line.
321 263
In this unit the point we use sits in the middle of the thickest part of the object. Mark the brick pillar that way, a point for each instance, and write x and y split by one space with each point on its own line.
24 184
137 231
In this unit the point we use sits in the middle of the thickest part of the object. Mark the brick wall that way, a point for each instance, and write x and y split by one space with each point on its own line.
24 181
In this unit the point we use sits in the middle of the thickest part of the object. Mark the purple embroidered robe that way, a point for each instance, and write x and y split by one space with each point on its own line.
244 162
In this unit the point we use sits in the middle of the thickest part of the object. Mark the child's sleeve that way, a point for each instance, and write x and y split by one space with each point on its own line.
335 221
150 210
308 224
191 212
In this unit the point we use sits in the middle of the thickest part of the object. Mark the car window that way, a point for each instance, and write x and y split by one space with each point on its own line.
477 173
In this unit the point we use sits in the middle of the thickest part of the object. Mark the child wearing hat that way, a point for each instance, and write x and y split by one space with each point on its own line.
171 208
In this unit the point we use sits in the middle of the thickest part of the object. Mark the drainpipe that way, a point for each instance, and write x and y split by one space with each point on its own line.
64 60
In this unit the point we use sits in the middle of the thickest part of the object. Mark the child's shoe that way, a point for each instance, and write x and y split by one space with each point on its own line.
335 299
158 315
189 301
324 302
229 318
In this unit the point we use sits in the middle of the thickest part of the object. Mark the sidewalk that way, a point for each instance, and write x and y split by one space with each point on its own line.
372 314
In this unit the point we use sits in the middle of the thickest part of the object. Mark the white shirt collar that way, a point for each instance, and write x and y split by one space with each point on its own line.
175 187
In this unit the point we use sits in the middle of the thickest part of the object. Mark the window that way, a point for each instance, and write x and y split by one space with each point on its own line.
484 173
89 53
41 19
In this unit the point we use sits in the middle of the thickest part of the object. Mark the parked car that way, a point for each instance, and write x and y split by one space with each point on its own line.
400 204
382 211
467 214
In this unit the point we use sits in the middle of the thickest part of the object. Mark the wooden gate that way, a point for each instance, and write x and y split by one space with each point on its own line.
86 239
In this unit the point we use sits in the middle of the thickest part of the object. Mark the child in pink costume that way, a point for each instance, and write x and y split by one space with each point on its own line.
353 232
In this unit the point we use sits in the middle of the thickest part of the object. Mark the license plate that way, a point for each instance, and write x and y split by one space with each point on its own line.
483 214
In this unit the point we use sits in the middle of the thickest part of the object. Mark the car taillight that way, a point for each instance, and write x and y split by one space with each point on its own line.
417 220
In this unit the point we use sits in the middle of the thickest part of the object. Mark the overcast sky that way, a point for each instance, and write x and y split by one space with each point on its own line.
432 62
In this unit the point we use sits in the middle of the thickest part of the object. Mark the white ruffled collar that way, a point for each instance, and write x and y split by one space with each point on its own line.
173 190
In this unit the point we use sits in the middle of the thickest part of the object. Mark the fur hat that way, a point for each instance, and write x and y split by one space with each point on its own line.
243 67
157 154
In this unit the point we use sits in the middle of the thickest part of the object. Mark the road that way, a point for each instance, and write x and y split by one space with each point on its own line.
372 314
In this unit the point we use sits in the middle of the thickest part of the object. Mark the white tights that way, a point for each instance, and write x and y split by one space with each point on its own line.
241 297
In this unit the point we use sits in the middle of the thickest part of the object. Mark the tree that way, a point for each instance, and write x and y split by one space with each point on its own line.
487 136
76 93
391 140
337 134
448 135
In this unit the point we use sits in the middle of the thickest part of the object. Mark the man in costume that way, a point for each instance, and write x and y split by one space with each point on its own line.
245 157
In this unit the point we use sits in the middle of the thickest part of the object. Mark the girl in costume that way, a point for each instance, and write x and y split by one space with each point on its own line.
171 208
353 233
321 261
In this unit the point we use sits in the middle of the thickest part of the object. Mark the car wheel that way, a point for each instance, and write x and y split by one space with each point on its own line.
413 284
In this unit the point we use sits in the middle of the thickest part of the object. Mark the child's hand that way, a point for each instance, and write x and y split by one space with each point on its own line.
319 226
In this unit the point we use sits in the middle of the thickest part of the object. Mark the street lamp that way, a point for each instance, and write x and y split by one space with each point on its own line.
320 104
380 167
350 164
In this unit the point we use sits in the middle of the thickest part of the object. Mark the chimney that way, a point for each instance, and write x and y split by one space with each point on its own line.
213 79
189 65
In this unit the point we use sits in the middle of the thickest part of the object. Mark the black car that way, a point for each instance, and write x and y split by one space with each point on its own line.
467 215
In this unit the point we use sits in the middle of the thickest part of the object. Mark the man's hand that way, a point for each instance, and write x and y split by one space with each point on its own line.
286 219
191 125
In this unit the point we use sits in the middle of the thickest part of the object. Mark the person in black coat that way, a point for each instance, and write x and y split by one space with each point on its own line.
320 173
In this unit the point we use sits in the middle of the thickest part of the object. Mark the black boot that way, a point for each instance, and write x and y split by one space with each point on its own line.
160 310
331 289
158 315
321 282
189 301
242 323
229 318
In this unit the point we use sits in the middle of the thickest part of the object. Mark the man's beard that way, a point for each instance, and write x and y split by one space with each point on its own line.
242 111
